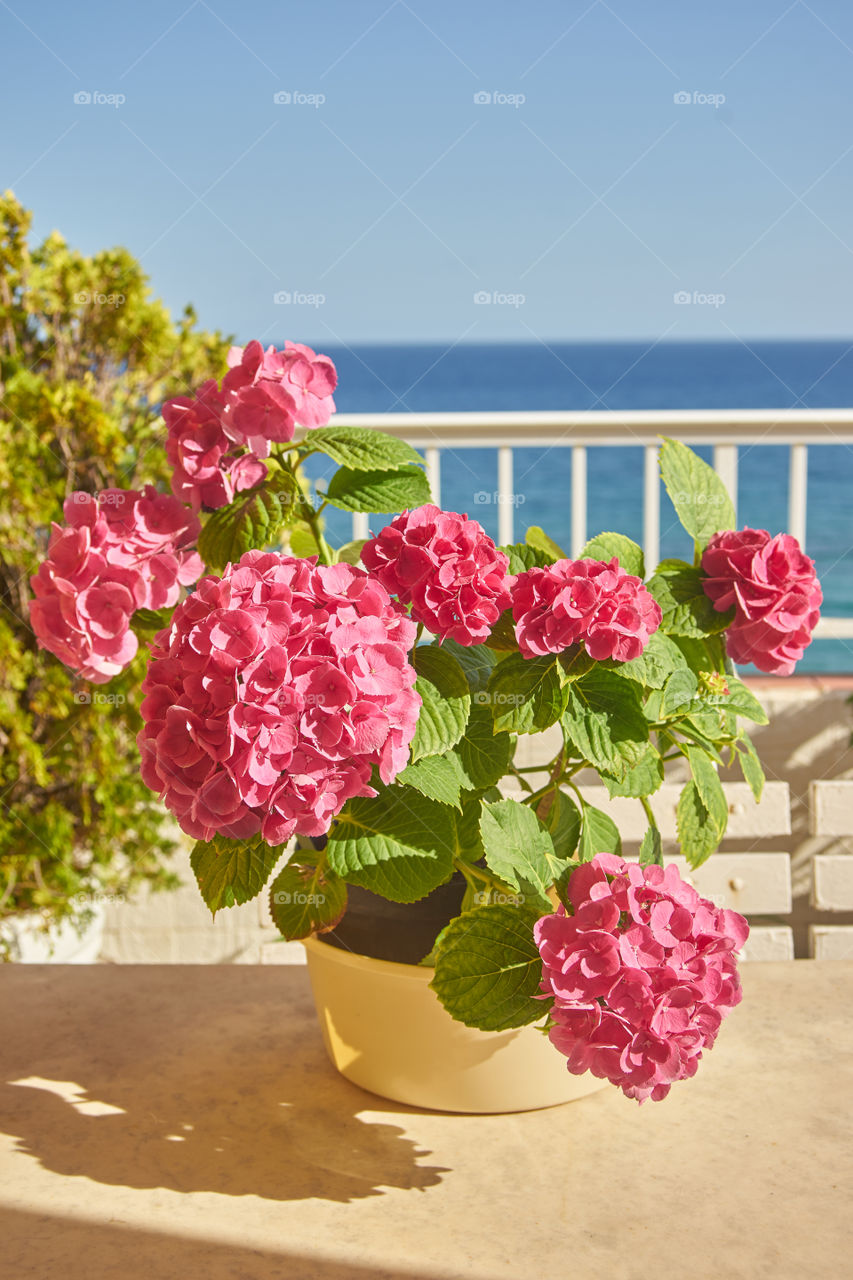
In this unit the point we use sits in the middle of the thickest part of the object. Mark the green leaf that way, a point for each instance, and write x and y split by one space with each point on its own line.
476 660
750 766
576 662
539 540
599 834
604 721
485 754
363 448
523 556
467 844
301 540
651 848
399 844
526 695
640 779
687 611
679 692
502 635
740 700
147 622
697 833
306 899
488 968
378 491
443 687
698 494
519 850
439 777
252 522
230 872
563 823
350 552
705 654
710 788
658 660
607 545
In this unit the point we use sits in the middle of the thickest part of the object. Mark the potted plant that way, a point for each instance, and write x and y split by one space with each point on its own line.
85 357
367 703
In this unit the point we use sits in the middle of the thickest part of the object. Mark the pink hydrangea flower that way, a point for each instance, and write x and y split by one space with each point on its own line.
207 468
447 567
272 695
583 600
268 392
641 974
776 596
120 551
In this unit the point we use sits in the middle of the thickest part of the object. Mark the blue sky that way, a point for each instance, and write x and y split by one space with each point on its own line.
383 198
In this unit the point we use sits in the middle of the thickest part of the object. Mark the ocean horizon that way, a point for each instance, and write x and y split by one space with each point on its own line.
382 378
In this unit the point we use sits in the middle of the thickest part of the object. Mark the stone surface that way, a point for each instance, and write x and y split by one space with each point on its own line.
172 1123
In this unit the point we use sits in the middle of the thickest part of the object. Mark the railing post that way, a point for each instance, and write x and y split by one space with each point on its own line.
725 465
797 488
651 508
433 473
505 496
579 538
360 526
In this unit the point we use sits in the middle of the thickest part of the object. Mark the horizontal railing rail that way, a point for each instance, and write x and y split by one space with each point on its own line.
726 430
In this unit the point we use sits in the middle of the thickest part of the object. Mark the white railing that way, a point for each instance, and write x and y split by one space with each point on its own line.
726 430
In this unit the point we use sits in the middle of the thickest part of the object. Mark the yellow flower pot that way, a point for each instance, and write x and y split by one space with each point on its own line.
386 1031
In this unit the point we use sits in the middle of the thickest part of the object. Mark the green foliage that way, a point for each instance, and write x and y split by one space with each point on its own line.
231 872
255 519
86 357
362 449
487 968
446 701
306 898
687 611
698 494
386 490
607 545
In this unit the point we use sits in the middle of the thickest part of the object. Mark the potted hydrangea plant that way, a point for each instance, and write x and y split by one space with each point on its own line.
339 727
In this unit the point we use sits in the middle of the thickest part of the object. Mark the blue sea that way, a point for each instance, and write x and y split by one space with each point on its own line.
764 375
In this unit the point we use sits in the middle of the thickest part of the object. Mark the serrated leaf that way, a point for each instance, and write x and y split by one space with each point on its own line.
740 700
231 872
604 720
301 540
697 833
651 848
466 829
679 692
440 778
378 491
253 521
576 662
350 552
640 779
599 834
446 700
686 610
698 494
525 695
147 622
607 545
523 556
488 968
484 752
655 664
306 898
398 844
519 851
710 788
502 635
363 448
476 660
539 540
705 654
562 819
750 766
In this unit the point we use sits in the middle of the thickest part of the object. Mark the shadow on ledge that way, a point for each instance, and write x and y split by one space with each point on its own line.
38 1245
192 1079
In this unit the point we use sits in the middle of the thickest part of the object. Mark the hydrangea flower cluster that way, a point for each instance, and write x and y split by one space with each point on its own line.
274 692
120 551
218 436
208 469
589 600
773 587
447 567
642 974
